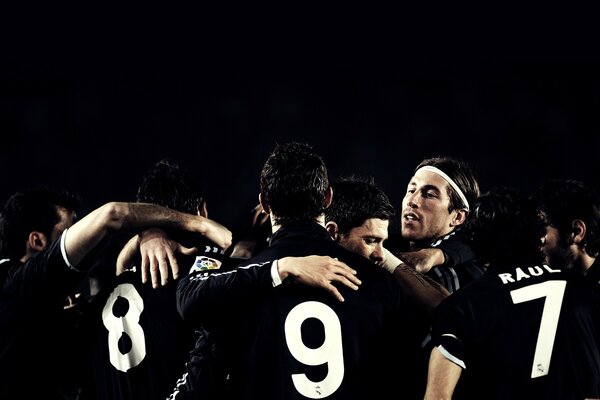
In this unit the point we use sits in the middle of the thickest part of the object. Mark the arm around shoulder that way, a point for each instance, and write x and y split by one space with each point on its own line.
83 236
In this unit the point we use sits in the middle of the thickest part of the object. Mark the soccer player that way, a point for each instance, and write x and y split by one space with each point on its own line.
358 220
524 330
142 343
295 341
38 277
435 206
571 211
359 216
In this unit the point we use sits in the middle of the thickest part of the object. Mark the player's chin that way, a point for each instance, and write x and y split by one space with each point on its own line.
410 233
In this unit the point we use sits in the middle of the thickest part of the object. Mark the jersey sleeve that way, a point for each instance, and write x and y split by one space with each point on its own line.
46 275
448 331
202 297
456 250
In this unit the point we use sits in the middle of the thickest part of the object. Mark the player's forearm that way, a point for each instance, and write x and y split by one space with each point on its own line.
423 260
216 233
93 228
424 290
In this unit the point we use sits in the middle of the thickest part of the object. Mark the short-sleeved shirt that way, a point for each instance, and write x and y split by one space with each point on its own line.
142 342
460 266
523 333
36 335
298 342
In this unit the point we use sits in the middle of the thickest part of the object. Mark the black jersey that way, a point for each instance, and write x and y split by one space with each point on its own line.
206 369
206 372
460 266
523 333
459 269
35 334
593 273
142 342
298 342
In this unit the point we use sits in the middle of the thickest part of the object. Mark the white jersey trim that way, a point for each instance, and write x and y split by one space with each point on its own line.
450 357
63 250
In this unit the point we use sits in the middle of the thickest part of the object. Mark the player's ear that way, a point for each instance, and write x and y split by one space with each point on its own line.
332 229
264 204
578 231
36 241
460 216
328 196
202 209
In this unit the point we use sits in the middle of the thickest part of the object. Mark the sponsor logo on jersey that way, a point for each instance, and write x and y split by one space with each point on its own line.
204 263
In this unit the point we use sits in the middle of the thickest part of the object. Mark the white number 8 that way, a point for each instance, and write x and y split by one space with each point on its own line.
128 324
330 352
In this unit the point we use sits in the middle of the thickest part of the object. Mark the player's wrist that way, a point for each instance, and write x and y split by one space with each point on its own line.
390 261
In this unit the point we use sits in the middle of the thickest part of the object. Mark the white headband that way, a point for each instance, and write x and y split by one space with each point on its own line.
450 182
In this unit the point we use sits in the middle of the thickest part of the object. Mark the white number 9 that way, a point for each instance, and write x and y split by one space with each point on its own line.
330 352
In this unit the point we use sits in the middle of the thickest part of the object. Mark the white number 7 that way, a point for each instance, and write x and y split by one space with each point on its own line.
553 291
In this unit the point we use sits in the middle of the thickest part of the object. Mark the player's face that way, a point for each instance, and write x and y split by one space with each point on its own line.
367 239
67 219
425 208
557 252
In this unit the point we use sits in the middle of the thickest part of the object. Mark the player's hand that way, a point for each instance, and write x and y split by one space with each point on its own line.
319 271
158 254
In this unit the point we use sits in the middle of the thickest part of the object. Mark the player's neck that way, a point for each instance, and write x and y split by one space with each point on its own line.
275 227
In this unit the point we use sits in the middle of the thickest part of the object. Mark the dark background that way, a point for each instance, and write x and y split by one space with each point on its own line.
91 105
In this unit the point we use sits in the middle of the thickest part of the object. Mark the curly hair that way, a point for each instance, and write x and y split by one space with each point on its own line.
561 201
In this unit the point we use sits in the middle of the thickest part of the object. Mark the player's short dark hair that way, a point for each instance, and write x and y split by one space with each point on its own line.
294 182
169 185
32 209
355 200
502 229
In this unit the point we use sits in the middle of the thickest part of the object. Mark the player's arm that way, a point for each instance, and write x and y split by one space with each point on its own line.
422 289
87 233
423 260
450 252
228 290
447 358
158 256
442 376
456 250
319 271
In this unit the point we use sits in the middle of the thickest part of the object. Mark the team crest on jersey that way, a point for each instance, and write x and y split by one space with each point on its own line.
204 263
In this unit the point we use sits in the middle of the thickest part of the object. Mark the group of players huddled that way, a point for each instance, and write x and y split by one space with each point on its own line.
493 294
